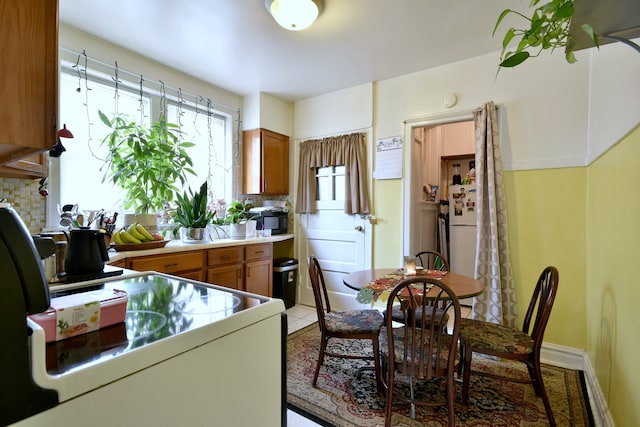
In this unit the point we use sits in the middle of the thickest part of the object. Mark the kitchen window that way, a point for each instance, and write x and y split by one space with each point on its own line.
77 176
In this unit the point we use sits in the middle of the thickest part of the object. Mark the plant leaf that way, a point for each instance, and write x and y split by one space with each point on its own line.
592 35
515 59
500 18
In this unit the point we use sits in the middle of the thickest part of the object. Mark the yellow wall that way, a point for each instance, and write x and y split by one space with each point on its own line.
613 284
546 214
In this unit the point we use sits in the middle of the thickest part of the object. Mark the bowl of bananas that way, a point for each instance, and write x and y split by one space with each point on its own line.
136 238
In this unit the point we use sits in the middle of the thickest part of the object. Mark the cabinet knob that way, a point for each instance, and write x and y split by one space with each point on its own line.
358 228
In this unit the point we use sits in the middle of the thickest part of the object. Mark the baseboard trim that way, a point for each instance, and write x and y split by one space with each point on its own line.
574 358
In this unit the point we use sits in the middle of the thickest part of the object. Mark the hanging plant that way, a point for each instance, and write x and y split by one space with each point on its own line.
149 162
548 29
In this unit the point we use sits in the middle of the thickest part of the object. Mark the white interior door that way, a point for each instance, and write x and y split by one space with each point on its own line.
340 241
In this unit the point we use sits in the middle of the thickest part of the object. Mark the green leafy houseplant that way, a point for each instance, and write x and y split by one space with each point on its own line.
148 162
548 29
192 211
238 213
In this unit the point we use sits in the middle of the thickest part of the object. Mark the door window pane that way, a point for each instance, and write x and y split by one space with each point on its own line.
330 183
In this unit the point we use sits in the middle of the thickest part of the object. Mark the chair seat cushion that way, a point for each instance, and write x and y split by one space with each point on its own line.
354 321
398 344
494 337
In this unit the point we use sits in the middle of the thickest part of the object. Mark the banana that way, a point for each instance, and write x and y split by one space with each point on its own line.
116 238
132 231
143 231
128 238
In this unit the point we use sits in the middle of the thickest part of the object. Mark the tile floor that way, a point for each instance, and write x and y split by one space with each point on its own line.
300 316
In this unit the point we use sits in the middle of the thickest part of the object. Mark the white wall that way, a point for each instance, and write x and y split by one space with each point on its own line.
74 39
262 110
544 103
554 114
614 107
338 112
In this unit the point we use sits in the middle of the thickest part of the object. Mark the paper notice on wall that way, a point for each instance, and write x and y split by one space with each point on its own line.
389 158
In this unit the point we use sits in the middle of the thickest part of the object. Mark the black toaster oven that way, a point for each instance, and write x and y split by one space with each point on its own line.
276 221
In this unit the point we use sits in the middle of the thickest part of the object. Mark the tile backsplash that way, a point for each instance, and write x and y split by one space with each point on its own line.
25 199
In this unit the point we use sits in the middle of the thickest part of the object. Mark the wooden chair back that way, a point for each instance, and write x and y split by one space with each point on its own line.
432 260
420 348
540 305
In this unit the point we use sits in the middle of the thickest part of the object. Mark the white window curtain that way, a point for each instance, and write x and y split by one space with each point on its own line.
493 262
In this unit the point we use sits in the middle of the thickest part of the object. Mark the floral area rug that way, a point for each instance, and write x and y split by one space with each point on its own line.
345 398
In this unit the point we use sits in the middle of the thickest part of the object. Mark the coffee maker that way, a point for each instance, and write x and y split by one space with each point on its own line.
23 290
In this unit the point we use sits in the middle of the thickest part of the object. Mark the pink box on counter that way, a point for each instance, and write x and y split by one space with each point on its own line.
82 312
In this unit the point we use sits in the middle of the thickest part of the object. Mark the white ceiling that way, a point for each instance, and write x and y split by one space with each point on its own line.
236 45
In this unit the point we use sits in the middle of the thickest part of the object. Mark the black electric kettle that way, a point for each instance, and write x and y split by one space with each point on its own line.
86 253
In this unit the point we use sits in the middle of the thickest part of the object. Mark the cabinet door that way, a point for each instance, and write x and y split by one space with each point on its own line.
458 139
258 278
275 161
175 263
193 275
265 162
229 276
29 70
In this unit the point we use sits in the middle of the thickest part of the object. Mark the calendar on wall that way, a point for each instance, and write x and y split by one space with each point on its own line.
388 158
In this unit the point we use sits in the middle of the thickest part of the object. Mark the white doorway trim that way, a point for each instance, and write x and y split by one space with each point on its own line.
407 188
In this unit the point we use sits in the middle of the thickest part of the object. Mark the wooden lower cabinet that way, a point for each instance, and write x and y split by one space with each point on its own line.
246 268
258 278
229 276
189 265
243 267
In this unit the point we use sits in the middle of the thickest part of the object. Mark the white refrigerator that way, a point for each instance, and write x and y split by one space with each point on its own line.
462 230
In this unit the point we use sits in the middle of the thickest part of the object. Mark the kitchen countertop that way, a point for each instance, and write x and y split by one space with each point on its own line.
179 246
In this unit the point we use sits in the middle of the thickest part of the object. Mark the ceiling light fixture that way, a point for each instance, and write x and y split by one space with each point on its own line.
294 15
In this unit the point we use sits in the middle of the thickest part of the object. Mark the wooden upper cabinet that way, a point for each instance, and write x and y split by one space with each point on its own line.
29 82
458 139
265 162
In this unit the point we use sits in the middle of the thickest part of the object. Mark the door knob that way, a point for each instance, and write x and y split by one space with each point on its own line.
358 228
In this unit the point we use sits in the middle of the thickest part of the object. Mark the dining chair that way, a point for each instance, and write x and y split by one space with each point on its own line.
349 324
429 260
419 350
432 260
522 345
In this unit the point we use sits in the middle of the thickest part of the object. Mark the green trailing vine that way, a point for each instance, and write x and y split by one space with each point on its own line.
548 29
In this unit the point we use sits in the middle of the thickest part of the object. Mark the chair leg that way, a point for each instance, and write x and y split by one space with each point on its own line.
466 373
389 397
376 362
323 348
451 398
543 392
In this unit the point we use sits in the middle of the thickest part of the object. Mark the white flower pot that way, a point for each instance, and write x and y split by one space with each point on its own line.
238 231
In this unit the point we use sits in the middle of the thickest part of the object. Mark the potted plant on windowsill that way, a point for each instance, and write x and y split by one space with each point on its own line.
192 215
149 163
237 216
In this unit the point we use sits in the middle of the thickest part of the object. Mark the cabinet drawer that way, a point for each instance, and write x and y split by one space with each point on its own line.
259 251
223 256
169 263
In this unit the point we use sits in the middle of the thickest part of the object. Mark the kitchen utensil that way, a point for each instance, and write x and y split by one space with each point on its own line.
86 252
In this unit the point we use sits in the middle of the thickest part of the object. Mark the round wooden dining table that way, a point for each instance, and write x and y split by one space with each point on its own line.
462 286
